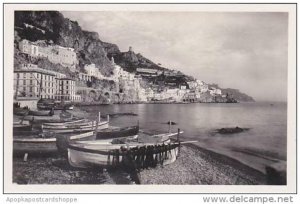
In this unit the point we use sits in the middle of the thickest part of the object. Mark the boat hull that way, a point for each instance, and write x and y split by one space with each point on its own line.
63 123
41 146
118 132
20 127
102 125
20 111
106 158
41 113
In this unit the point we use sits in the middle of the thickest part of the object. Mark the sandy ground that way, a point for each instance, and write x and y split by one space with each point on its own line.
193 166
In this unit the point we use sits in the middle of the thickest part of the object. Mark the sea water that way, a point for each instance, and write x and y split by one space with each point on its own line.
264 143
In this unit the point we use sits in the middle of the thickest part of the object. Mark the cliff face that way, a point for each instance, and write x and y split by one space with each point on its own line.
52 26
234 93
130 61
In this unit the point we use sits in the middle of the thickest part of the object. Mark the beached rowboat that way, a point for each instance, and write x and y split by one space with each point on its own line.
138 152
117 132
37 145
63 122
54 121
82 123
136 155
41 113
22 127
20 111
76 129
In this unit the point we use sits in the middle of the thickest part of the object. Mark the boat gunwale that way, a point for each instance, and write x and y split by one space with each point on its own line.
111 151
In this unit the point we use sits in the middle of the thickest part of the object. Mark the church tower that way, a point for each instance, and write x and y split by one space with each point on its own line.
112 60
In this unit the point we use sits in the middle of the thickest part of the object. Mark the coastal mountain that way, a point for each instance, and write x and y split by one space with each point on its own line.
130 61
235 93
51 27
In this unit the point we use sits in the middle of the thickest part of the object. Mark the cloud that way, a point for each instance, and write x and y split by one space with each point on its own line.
247 51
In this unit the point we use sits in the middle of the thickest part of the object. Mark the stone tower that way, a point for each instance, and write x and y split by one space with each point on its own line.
130 49
112 60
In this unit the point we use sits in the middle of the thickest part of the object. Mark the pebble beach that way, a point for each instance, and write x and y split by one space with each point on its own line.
194 166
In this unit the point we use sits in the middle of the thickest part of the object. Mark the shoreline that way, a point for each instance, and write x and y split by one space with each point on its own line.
194 166
200 166
82 104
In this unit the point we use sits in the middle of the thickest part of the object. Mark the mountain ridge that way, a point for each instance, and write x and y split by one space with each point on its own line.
53 27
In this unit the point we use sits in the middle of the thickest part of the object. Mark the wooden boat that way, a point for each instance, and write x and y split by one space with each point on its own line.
135 155
48 104
75 129
45 104
64 107
37 144
41 113
57 121
117 132
69 125
22 121
164 137
26 133
22 127
63 122
20 111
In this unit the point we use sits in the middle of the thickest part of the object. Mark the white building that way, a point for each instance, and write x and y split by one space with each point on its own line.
84 77
214 91
91 70
64 56
34 82
66 90
34 66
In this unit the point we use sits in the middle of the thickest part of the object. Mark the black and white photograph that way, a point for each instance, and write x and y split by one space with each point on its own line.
136 96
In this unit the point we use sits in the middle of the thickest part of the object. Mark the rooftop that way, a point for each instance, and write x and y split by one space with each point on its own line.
36 70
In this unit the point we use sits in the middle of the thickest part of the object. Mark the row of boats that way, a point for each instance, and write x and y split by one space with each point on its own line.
87 143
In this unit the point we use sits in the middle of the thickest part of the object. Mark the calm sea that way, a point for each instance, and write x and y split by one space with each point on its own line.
265 142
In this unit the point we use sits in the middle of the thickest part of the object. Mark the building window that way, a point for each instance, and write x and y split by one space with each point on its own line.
24 75
37 75
30 82
67 87
24 88
24 82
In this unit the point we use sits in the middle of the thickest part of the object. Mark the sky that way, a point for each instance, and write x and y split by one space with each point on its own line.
242 50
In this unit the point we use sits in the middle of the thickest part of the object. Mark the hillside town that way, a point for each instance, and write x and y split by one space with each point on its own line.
145 85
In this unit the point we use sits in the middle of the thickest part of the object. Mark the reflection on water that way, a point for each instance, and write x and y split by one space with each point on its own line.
267 123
